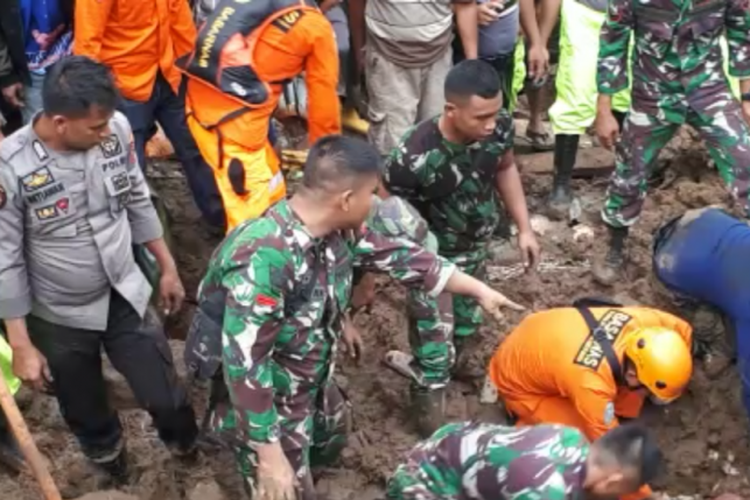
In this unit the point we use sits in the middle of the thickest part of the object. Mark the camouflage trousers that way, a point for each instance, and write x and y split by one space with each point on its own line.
434 322
313 437
723 128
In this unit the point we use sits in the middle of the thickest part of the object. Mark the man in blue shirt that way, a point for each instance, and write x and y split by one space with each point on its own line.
34 34
703 258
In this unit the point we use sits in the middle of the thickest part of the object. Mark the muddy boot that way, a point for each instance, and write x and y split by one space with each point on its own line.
428 409
606 271
561 199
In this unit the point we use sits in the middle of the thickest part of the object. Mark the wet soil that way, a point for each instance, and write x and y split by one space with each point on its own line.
704 434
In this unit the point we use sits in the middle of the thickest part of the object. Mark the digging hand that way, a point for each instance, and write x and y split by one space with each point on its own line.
276 478
352 339
530 249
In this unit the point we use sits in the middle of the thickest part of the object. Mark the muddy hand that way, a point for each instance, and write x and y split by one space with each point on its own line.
276 479
352 339
493 302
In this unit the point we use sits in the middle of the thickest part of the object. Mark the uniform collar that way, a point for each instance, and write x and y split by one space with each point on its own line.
305 240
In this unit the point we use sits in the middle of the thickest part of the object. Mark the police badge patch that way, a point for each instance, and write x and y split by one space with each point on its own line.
37 180
111 146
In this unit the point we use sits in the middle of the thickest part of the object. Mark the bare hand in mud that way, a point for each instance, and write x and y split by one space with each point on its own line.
352 340
276 479
607 129
31 367
530 249
493 301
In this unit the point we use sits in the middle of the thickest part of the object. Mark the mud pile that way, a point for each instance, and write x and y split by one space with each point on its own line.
703 434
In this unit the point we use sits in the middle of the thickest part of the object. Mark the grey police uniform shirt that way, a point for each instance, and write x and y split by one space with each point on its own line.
68 221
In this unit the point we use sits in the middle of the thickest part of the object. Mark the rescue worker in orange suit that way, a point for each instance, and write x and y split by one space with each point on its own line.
551 368
244 53
140 41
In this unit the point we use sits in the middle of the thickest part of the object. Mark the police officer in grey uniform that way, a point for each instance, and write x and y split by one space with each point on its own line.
73 201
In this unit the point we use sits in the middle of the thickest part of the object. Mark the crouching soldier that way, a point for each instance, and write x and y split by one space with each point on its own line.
72 202
701 257
271 310
476 461
585 366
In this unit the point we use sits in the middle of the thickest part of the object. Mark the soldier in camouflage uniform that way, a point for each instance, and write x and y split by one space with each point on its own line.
275 292
454 169
477 461
678 78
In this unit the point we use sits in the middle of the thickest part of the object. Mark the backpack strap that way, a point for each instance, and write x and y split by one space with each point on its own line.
601 338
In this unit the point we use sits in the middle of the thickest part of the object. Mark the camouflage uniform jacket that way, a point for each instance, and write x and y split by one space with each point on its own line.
478 461
453 186
677 61
284 294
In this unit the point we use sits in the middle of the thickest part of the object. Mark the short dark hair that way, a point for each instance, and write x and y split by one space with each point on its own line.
338 161
471 77
75 84
631 446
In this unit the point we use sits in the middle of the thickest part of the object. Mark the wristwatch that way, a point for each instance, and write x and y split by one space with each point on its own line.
745 97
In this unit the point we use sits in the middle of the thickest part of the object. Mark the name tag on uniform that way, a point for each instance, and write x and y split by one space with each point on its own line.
118 183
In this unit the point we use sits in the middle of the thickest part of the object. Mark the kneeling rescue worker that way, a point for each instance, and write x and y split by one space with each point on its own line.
478 461
244 54
701 257
587 365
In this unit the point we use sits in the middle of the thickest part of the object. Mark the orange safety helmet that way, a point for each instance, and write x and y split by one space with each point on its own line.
662 360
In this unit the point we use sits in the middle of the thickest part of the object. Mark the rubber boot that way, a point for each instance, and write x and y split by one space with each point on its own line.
607 271
561 198
428 409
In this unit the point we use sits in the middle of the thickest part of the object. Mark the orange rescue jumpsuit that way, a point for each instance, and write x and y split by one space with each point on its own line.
136 39
233 134
549 371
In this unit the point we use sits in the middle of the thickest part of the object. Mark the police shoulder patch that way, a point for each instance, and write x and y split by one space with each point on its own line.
111 146
609 413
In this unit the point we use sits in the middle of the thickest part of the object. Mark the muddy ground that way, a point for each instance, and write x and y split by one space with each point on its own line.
703 434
